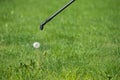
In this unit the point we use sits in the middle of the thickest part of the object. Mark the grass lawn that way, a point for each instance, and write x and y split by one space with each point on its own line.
81 43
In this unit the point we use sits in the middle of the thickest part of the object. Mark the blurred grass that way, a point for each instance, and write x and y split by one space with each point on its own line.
82 43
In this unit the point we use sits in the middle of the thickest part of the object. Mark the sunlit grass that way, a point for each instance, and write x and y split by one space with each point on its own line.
82 43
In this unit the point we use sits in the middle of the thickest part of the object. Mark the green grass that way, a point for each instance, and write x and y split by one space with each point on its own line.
82 43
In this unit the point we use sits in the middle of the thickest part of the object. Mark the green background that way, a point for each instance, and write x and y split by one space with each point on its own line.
81 43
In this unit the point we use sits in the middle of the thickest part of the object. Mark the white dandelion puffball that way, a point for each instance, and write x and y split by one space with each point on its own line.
36 44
